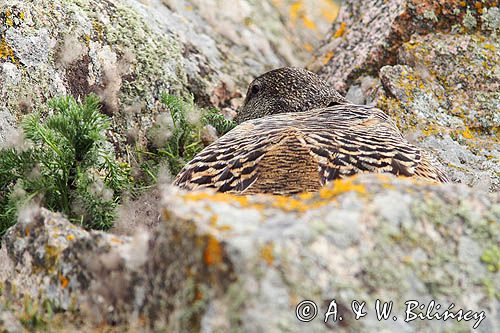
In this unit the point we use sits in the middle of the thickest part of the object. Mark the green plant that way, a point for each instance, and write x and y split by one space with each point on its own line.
36 314
491 257
184 128
69 165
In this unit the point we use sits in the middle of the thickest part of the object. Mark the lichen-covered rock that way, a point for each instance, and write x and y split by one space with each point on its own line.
367 35
8 322
219 262
434 67
129 52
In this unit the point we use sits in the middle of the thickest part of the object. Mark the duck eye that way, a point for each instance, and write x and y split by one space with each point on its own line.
255 89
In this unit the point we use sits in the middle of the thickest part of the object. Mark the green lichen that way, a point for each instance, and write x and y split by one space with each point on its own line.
469 20
430 15
491 257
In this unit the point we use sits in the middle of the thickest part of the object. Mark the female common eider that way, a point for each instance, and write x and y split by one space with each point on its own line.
296 134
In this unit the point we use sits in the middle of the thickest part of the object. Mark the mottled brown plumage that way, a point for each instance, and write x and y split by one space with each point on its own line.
283 152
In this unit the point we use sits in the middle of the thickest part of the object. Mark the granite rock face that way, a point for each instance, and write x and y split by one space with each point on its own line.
434 67
219 262
129 52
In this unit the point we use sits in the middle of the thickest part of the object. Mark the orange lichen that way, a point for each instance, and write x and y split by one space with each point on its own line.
213 220
490 47
6 52
70 237
8 19
300 203
308 23
213 251
327 57
217 197
266 253
341 186
479 7
295 10
289 204
340 31
466 133
198 296
99 30
308 47
64 281
330 11
116 240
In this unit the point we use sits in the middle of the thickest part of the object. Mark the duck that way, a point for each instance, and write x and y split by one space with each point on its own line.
296 134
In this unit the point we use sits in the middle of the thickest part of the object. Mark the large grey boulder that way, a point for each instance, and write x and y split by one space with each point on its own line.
219 262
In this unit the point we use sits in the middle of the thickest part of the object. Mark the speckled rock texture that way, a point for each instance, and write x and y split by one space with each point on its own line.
434 66
221 263
8 322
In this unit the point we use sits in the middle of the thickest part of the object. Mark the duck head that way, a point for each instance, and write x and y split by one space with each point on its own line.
287 89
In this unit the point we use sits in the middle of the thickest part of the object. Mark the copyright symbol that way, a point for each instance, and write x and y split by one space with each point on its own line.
306 311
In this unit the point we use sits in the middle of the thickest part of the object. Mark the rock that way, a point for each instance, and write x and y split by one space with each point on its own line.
219 262
129 52
415 61
9 323
367 35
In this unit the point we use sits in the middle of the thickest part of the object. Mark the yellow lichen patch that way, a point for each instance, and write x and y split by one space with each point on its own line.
64 281
385 178
308 47
213 220
407 260
340 31
308 23
490 47
327 57
87 40
330 11
116 240
466 133
217 197
479 7
267 253
289 204
70 237
224 228
27 232
213 251
341 186
295 10
306 195
6 52
98 29
430 130
22 15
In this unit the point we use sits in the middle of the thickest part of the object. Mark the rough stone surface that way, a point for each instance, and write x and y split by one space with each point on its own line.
129 52
368 34
219 262
434 67
8 322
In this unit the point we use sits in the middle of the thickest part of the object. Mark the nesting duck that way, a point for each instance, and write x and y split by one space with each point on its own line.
296 134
